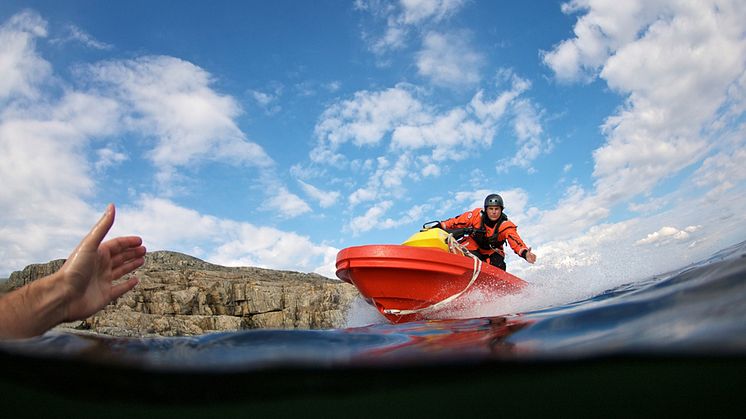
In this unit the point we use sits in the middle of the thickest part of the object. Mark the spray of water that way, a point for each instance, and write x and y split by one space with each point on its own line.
549 286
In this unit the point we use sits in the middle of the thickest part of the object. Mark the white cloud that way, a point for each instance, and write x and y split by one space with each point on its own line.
528 130
288 204
263 99
460 132
363 120
160 222
675 61
405 17
431 169
604 27
721 172
46 178
454 134
416 11
387 181
668 233
494 110
325 198
268 100
374 218
449 60
75 34
21 67
46 139
363 195
576 211
108 157
172 101
371 219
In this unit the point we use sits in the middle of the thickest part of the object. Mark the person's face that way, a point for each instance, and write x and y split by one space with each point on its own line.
493 213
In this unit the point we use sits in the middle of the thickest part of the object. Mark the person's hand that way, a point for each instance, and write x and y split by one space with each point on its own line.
90 271
530 256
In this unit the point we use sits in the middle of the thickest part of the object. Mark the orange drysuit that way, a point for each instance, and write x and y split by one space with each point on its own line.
479 242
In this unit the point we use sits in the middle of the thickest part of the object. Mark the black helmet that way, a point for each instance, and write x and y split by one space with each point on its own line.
493 200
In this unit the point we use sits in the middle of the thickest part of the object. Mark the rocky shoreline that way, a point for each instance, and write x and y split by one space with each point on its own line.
180 295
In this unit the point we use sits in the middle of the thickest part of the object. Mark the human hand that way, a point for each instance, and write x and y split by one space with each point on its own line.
530 256
90 271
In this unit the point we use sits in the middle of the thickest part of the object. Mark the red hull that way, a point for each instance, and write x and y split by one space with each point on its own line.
396 277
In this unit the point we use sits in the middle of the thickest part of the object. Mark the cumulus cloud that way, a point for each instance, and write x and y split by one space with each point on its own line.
21 67
160 222
268 100
529 138
325 198
404 18
386 181
372 218
363 120
369 118
46 177
680 66
605 27
416 11
722 172
375 218
667 233
286 203
47 137
108 157
172 101
76 34
449 60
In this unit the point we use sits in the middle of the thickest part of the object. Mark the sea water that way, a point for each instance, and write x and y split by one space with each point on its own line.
696 311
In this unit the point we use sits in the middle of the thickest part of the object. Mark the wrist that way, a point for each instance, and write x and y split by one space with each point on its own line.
48 298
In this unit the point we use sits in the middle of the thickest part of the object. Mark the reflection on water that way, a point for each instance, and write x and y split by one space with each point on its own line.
418 343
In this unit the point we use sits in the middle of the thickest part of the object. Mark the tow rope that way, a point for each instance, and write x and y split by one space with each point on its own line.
457 248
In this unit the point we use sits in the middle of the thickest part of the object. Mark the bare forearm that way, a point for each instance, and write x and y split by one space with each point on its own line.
33 309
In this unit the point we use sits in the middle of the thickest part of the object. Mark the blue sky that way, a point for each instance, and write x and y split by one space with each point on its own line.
274 134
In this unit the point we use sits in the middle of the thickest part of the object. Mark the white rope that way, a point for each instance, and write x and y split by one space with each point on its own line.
457 248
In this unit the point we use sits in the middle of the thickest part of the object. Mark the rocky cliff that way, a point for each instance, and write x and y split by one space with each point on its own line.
182 295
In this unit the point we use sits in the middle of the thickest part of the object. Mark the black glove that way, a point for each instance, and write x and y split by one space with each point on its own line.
478 236
493 242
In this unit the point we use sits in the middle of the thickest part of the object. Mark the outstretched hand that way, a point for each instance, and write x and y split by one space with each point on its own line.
80 288
530 256
90 271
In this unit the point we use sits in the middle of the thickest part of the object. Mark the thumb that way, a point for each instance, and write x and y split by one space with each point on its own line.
99 231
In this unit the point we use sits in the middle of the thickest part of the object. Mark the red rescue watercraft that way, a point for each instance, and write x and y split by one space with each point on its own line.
420 278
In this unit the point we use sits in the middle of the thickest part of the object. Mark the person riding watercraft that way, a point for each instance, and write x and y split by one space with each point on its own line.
489 229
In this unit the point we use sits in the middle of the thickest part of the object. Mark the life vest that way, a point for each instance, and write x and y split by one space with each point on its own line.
503 228
483 233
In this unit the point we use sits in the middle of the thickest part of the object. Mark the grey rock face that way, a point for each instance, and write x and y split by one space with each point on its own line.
181 295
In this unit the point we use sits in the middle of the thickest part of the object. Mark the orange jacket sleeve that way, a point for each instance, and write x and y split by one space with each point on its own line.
509 233
468 219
